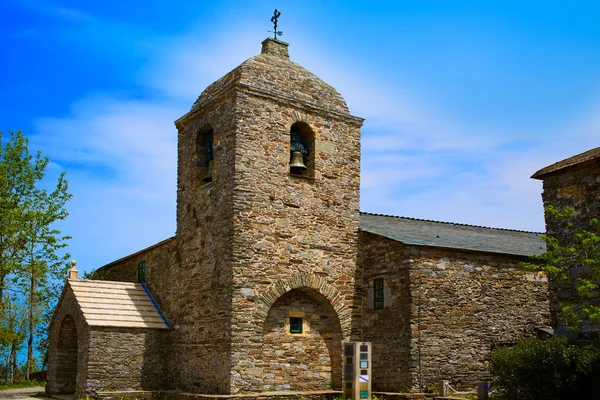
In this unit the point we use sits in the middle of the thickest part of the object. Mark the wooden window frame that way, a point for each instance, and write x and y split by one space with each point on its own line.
141 271
293 321
378 294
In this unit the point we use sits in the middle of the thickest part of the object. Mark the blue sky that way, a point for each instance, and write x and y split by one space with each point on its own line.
463 100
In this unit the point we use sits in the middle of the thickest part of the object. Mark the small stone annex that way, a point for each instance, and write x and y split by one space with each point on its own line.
273 265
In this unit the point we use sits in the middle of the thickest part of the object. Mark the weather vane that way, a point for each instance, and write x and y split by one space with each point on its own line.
274 19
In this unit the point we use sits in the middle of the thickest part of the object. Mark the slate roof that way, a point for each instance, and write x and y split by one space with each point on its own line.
569 162
117 304
451 235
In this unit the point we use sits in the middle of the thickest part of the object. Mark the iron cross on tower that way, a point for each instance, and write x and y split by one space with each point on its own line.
274 19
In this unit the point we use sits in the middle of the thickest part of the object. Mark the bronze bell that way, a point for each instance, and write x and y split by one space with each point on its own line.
297 163
208 177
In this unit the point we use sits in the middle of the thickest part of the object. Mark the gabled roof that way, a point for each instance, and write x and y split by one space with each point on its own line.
117 304
569 162
455 236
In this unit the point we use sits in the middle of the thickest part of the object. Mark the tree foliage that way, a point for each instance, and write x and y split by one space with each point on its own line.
552 369
574 265
31 248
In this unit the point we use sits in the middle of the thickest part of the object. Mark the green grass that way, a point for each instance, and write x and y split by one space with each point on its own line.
39 394
22 384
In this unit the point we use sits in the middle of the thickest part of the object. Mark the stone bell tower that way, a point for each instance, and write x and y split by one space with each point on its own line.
267 238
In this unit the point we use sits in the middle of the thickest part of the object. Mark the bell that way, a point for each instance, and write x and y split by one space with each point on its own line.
208 177
297 163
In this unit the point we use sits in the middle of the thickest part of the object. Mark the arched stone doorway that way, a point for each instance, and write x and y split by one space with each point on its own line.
302 343
66 356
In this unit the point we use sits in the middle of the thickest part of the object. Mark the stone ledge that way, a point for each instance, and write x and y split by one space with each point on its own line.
282 395
131 394
173 395
398 396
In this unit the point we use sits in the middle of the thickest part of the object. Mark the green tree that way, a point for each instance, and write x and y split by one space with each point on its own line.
42 263
19 172
572 267
12 333
29 242
553 369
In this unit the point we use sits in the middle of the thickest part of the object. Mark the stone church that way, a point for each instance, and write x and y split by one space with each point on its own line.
273 265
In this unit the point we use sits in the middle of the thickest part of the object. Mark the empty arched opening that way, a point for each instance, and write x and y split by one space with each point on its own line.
302 348
302 150
66 352
203 159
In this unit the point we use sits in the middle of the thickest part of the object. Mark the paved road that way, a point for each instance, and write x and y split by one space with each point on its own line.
21 394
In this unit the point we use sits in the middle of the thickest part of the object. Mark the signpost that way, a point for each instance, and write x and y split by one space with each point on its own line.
357 370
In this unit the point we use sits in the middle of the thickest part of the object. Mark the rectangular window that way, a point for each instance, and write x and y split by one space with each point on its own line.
378 294
295 325
141 271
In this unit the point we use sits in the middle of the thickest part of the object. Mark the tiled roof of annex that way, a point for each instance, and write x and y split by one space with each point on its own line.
117 304
422 232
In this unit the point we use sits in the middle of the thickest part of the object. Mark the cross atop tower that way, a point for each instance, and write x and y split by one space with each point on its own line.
274 19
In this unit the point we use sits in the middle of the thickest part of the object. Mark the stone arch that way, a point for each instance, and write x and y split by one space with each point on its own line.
296 116
67 356
304 280
302 343
203 159
302 147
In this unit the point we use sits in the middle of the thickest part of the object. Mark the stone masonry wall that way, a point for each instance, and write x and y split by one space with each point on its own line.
66 357
286 224
68 313
305 357
254 228
388 330
577 187
126 359
202 322
162 262
461 304
159 259
469 302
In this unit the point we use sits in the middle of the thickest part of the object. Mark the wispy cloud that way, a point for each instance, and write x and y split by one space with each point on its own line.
120 149
419 159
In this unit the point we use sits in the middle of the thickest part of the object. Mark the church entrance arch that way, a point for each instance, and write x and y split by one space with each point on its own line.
302 342
66 356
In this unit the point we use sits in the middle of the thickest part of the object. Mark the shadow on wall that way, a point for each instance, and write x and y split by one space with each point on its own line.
302 343
154 374
387 319
66 357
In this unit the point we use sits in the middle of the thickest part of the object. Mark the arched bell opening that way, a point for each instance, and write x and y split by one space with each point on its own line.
66 356
203 160
302 150
302 343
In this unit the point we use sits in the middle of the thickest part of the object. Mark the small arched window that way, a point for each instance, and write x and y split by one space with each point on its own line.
302 150
204 156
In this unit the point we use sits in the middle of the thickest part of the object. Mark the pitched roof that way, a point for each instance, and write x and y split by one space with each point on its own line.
117 304
450 235
569 162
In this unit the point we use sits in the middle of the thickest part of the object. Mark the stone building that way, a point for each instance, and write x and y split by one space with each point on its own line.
273 266
573 182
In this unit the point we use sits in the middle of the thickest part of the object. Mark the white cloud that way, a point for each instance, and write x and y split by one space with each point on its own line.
417 160
121 162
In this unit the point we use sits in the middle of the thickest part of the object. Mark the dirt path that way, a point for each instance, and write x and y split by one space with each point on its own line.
20 394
